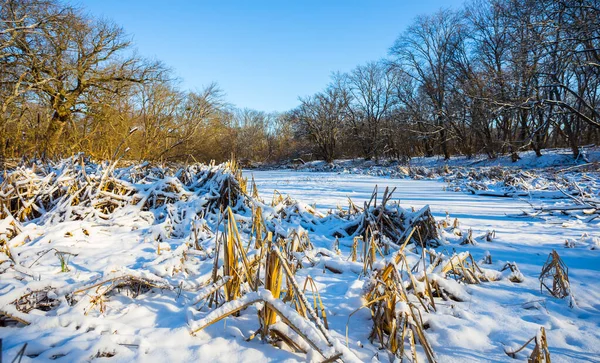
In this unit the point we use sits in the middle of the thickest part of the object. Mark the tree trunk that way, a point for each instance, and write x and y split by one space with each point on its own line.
571 137
54 132
445 150
429 152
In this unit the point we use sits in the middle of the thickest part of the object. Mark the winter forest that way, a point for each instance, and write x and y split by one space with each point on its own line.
496 77
438 204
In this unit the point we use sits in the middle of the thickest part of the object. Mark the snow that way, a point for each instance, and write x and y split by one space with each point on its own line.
496 313
155 246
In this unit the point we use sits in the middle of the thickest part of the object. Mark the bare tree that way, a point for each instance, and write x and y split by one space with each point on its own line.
426 50
322 117
72 56
371 88
17 19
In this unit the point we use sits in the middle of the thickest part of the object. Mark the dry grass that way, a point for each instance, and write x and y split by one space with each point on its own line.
388 223
36 300
276 270
252 261
132 285
555 276
540 352
238 275
397 321
462 267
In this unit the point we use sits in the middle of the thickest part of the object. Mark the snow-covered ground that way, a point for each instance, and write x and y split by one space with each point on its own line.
154 243
498 314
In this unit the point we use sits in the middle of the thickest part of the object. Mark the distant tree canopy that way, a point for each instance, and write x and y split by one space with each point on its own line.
496 77
72 83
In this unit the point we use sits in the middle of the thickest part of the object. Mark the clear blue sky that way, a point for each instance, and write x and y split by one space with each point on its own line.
263 54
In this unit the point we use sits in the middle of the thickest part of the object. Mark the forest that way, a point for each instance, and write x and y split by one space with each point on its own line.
496 77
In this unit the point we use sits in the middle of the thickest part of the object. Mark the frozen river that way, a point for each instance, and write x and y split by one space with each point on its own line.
525 240
328 190
482 213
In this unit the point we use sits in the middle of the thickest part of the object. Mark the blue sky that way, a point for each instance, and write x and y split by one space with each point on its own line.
263 54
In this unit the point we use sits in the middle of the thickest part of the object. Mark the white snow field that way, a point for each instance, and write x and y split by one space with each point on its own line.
498 314
87 308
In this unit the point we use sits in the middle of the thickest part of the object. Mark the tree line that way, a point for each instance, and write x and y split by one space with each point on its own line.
495 77
72 83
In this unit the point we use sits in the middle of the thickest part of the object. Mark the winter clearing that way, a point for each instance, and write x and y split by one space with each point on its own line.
300 181
210 263
496 315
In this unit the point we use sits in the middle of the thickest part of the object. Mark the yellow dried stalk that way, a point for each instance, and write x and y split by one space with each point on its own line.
354 251
370 251
428 294
97 300
13 317
232 287
232 251
428 288
277 198
266 242
468 240
243 182
11 232
273 282
258 228
464 266
384 311
317 302
516 276
298 242
353 208
301 298
232 163
386 272
290 295
382 301
444 223
456 223
5 248
389 327
540 352
555 269
254 189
